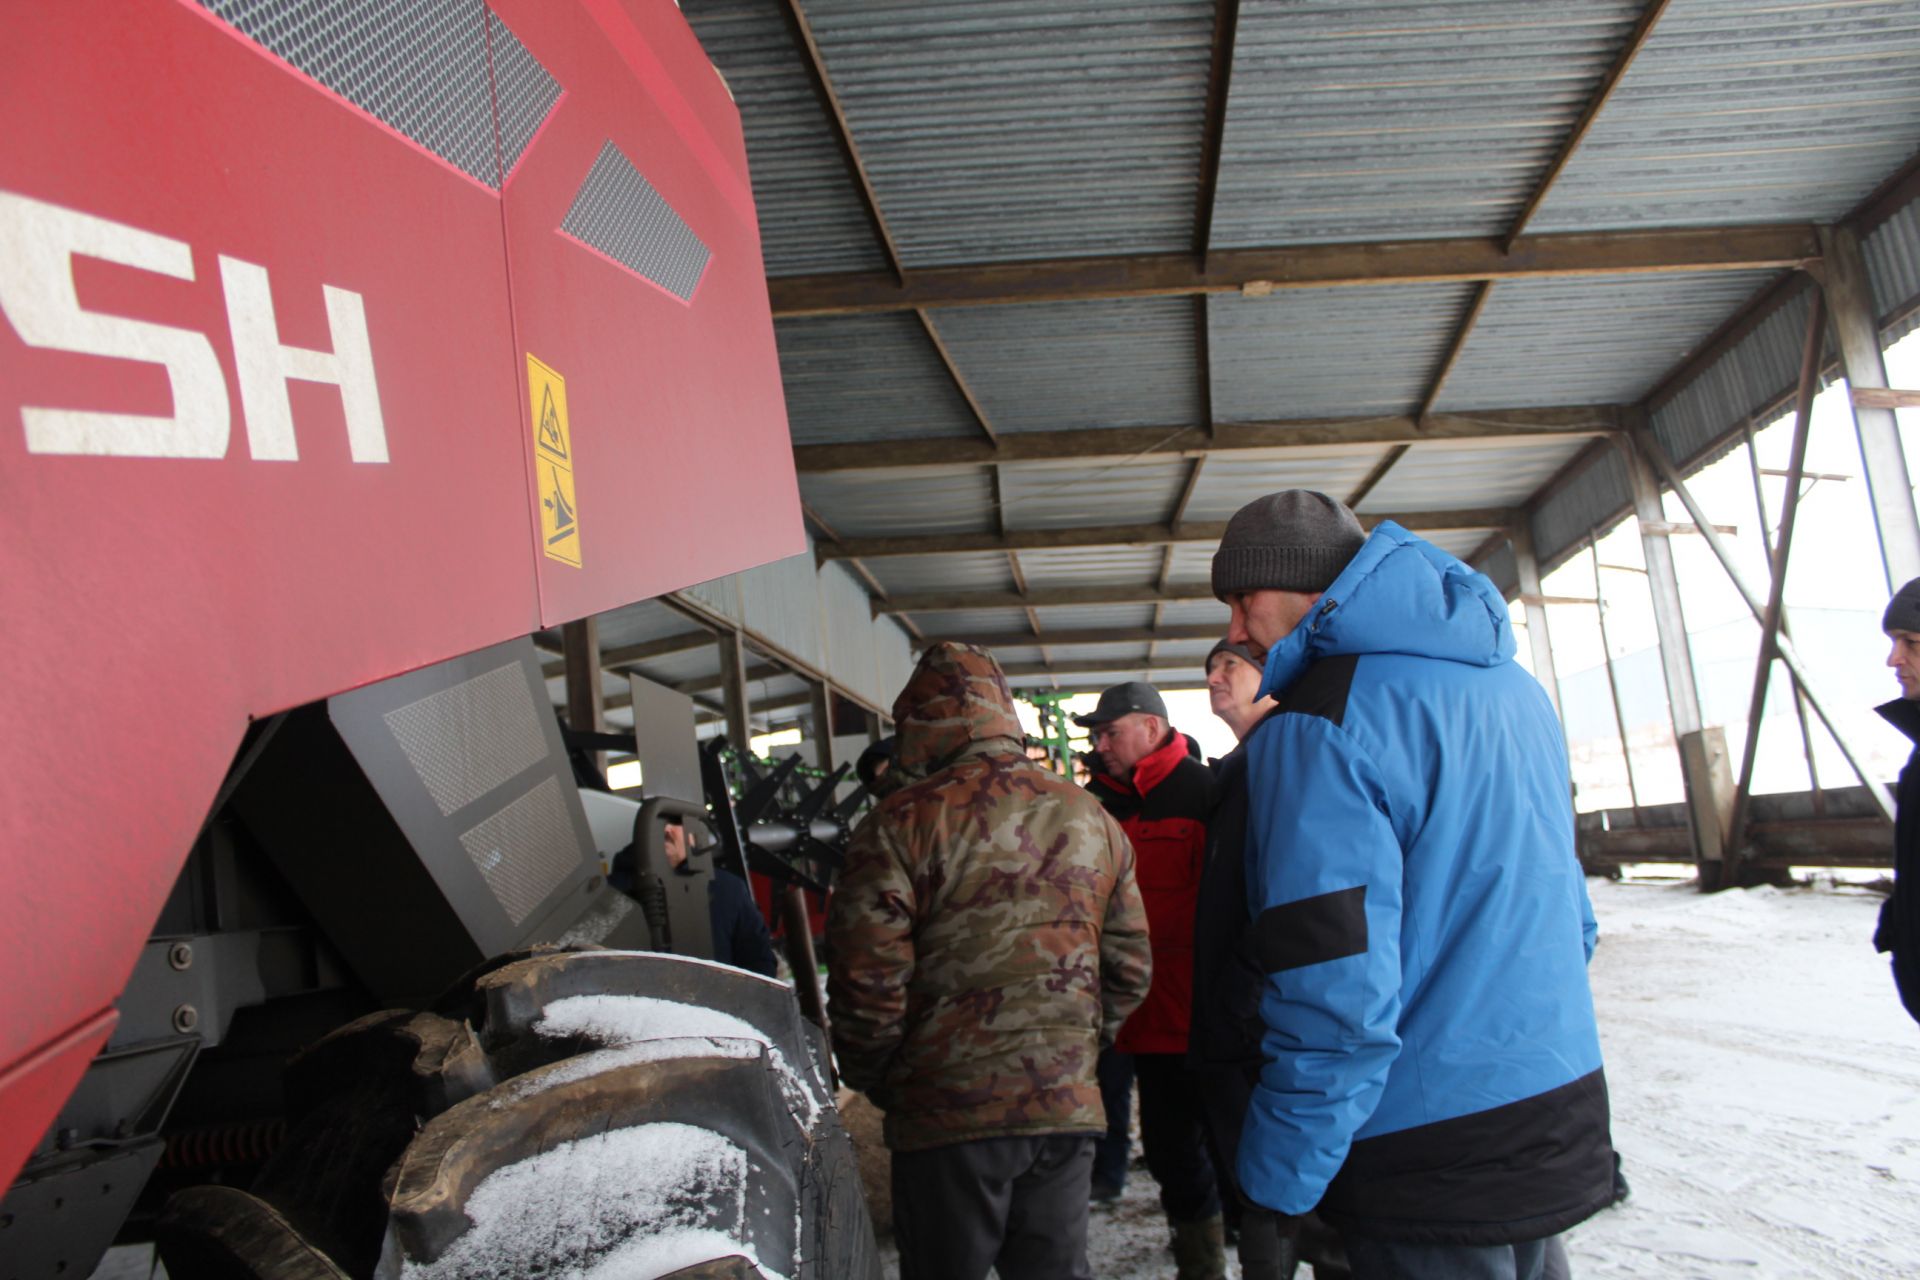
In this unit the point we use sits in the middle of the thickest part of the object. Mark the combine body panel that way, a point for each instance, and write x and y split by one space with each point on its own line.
340 339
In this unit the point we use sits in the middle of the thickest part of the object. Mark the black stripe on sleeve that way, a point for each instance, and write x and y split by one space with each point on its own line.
1312 930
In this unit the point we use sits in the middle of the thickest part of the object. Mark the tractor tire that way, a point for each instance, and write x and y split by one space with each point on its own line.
590 1112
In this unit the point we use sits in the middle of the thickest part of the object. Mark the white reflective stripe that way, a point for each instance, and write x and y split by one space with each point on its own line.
37 244
263 365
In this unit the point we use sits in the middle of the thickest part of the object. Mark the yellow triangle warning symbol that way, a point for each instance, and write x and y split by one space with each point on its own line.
553 436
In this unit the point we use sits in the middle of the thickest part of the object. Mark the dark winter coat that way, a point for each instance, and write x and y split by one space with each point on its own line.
1226 976
1432 1067
1163 809
1899 928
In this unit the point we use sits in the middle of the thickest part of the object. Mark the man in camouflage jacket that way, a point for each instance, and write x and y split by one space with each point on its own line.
987 939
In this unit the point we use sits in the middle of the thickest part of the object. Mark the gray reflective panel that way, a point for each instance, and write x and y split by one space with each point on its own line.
618 212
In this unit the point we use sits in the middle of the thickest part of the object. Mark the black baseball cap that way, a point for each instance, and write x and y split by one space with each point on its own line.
1123 699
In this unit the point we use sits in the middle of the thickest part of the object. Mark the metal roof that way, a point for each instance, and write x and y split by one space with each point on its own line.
1126 293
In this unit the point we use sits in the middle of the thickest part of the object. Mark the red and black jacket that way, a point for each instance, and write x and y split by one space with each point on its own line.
1163 809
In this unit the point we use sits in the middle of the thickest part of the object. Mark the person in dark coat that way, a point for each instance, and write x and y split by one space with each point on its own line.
1430 1073
1899 928
740 936
1156 787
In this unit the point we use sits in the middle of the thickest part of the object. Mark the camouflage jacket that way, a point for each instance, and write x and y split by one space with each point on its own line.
987 935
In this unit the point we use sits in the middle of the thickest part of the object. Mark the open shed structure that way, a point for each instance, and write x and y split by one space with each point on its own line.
1059 286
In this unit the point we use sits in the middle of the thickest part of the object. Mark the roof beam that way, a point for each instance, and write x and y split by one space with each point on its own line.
1039 598
1080 635
1492 425
1226 28
1316 266
1124 535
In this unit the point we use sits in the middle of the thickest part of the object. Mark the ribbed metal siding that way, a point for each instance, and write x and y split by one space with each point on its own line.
862 503
1761 367
866 378
981 571
1067 365
639 623
783 604
1305 353
1002 129
1091 566
1589 341
722 595
1502 568
1061 495
1073 617
1892 252
1595 498
1229 482
1743 112
1432 477
852 635
811 218
1389 121
893 659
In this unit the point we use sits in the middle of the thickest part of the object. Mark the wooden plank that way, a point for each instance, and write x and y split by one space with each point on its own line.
959 380
1492 427
1124 535
1885 398
1318 266
1375 476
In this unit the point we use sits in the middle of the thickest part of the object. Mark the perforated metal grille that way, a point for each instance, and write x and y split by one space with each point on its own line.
467 740
525 850
619 213
525 93
418 65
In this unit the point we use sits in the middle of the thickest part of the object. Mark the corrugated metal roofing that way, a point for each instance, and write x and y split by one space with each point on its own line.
1230 482
1195 613
1090 566
866 378
862 503
973 571
971 622
1001 129
1892 252
1599 340
1737 111
1065 617
639 623
1438 477
1761 367
811 217
1565 518
1459 542
1065 655
1308 353
1065 365
1192 562
1059 495
1402 121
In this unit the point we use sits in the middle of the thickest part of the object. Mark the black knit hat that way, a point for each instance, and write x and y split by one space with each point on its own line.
1239 651
1903 611
1294 540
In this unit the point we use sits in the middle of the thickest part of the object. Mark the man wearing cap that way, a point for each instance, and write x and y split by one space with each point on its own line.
1154 784
1899 928
1430 1074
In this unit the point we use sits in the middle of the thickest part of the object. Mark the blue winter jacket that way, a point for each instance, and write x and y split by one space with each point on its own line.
1431 1067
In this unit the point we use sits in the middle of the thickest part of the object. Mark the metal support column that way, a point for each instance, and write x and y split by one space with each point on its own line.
1520 538
1856 332
1703 752
586 700
733 689
1799 694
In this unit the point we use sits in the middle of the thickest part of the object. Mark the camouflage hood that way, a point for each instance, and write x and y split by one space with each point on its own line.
957 696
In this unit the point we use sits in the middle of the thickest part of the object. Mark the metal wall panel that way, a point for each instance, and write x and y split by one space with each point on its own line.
973 571
1762 367
1091 566
811 217
1589 340
1742 112
871 503
1503 569
1308 353
1057 366
783 603
1000 129
1434 477
1060 495
877 377
1229 482
1892 251
1387 121
1592 500
853 636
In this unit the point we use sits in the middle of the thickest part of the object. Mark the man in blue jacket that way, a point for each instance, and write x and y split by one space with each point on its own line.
1431 1074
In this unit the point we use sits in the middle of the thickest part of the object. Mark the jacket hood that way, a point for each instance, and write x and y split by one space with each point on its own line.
957 696
1904 715
1399 594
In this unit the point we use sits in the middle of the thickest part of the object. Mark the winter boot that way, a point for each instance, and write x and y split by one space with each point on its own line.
1200 1249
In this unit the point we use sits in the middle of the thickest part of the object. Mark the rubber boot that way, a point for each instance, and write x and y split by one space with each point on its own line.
1266 1252
1200 1249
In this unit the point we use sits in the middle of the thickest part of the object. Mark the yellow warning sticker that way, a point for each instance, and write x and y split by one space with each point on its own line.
553 458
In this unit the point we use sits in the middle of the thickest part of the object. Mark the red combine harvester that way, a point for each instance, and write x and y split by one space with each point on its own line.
345 346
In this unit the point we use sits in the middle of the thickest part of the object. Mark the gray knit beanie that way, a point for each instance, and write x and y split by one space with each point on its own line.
1294 540
1903 611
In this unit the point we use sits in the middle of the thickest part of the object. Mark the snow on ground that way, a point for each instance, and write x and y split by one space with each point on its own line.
1766 1096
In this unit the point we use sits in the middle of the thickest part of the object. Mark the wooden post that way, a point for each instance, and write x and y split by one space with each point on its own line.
1520 538
1857 333
733 687
586 700
1702 768
1613 680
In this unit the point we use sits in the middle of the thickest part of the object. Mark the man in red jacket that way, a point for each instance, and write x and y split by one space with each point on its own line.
1159 791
